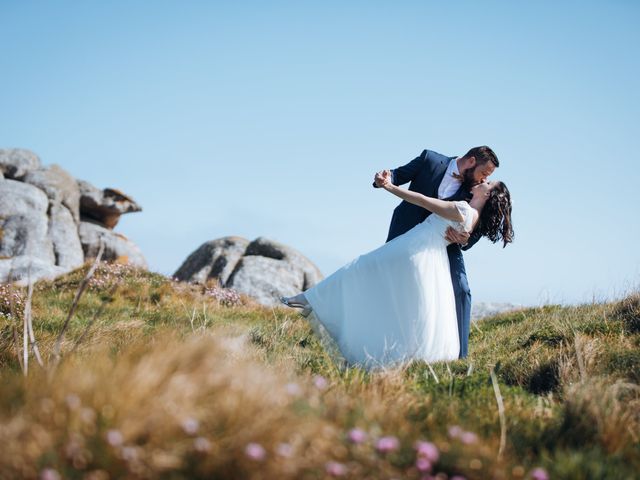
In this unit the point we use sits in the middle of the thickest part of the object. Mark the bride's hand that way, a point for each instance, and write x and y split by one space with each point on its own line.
383 178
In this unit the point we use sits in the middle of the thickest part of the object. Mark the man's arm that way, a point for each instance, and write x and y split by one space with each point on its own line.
473 239
408 172
465 240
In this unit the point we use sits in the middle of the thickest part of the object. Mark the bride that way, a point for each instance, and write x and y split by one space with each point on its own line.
396 303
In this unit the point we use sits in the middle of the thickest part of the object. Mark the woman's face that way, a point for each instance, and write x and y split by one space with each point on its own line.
483 189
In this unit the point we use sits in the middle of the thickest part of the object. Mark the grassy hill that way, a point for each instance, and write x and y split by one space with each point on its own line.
158 379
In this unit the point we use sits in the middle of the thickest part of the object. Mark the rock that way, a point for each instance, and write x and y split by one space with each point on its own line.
16 162
59 186
24 267
213 259
262 269
104 206
23 222
117 247
271 249
481 310
265 279
63 233
40 220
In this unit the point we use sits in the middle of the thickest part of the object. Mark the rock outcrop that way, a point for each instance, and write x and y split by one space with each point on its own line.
50 223
15 163
214 259
262 269
480 310
59 186
24 226
117 247
63 231
104 206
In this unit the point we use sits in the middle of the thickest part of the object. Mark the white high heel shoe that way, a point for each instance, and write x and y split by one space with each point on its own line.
306 309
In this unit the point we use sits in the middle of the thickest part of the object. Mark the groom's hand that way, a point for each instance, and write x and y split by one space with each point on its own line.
455 236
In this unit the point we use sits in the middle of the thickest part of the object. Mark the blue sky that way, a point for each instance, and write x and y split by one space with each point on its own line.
270 119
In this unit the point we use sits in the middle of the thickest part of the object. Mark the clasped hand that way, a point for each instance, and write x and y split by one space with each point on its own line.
382 178
452 235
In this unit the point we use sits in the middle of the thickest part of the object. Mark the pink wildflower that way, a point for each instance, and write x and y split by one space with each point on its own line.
201 445
129 454
428 450
335 469
468 438
284 450
455 431
293 389
320 382
357 435
114 438
423 465
88 415
539 474
49 474
255 451
190 426
74 445
387 444
225 296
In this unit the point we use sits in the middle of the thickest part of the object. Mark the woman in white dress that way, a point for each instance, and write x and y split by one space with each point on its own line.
396 303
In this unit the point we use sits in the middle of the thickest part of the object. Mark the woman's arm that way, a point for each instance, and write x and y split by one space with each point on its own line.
443 208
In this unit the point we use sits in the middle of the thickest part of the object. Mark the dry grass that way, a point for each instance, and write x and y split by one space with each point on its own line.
171 381
170 406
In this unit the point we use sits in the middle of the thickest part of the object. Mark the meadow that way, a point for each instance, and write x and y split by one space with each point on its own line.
152 378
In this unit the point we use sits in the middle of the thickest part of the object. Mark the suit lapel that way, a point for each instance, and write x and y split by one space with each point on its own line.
438 175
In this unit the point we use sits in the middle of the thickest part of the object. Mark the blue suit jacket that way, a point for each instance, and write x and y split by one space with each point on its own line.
425 172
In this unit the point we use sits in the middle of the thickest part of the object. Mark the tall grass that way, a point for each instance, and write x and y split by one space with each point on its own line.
160 379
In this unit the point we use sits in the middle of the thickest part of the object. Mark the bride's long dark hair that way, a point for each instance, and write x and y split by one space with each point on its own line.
495 219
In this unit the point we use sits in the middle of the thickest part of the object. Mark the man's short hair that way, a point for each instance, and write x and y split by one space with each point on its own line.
483 155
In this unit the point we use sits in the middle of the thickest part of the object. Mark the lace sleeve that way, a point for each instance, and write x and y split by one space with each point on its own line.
468 215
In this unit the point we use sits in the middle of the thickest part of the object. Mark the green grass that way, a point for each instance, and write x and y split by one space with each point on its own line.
568 377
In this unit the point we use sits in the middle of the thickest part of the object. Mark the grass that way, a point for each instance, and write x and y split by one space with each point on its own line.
170 381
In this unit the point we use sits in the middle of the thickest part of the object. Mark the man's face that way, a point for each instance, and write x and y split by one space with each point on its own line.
479 173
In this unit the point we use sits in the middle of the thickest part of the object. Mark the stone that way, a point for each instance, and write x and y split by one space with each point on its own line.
16 162
63 233
272 249
214 259
262 269
104 206
20 269
117 247
40 220
58 185
24 223
480 310
265 279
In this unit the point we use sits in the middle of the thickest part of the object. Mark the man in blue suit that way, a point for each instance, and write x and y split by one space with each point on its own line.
449 178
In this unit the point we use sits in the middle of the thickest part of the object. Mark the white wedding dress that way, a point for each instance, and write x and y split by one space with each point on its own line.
395 303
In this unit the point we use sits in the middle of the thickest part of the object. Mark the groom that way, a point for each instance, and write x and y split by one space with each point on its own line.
447 178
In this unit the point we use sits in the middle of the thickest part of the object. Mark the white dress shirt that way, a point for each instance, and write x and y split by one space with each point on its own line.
450 184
